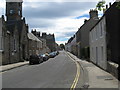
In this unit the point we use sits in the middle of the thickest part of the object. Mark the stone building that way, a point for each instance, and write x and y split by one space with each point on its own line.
57 47
104 40
71 45
50 41
68 45
34 44
1 38
44 48
112 15
5 43
98 43
82 35
15 34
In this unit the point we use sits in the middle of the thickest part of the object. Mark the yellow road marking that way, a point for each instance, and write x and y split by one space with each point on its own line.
73 86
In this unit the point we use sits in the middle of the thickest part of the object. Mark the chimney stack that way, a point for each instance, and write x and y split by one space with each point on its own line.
93 13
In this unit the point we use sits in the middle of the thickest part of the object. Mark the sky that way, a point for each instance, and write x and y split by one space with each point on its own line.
61 17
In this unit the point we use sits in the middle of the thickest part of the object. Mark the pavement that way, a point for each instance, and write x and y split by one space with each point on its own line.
98 78
12 66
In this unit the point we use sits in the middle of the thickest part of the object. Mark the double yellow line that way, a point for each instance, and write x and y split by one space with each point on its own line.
76 77
74 84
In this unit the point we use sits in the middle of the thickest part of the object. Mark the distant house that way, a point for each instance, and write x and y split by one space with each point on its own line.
50 41
82 35
68 45
73 45
44 48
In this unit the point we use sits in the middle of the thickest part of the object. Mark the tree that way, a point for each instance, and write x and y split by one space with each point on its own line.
100 6
62 46
118 5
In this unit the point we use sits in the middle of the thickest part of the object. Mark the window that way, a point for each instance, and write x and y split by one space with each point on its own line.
19 12
101 29
92 53
11 11
14 44
93 34
1 43
19 4
90 37
96 55
96 33
102 55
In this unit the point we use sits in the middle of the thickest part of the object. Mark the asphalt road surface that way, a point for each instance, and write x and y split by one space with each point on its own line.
58 72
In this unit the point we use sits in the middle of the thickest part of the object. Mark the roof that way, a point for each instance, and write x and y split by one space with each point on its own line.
33 37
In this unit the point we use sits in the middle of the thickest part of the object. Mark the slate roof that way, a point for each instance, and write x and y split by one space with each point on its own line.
33 37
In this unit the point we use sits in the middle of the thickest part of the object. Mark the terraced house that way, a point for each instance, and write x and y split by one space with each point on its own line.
82 35
104 40
100 38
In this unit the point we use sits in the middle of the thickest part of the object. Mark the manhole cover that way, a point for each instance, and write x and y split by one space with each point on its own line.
105 77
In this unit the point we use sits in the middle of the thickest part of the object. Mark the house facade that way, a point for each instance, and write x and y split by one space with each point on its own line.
104 40
97 36
15 40
34 44
45 48
1 40
50 41
82 35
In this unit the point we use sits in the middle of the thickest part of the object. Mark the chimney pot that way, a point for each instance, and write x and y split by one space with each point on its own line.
110 4
106 6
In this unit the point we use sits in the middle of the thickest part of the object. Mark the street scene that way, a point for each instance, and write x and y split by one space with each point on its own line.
59 45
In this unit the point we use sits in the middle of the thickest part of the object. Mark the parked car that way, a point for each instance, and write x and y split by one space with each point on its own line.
35 59
52 54
45 57
57 52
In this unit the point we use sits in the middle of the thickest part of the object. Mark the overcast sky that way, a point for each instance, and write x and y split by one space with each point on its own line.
61 18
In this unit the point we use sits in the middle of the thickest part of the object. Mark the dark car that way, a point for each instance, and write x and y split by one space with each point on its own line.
35 59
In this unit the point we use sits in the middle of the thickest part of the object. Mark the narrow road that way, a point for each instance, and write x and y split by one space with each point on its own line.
58 72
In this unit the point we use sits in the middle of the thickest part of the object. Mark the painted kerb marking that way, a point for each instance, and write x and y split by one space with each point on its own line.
73 86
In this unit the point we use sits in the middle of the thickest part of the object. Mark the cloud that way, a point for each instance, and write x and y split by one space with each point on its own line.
54 10
61 18
2 7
